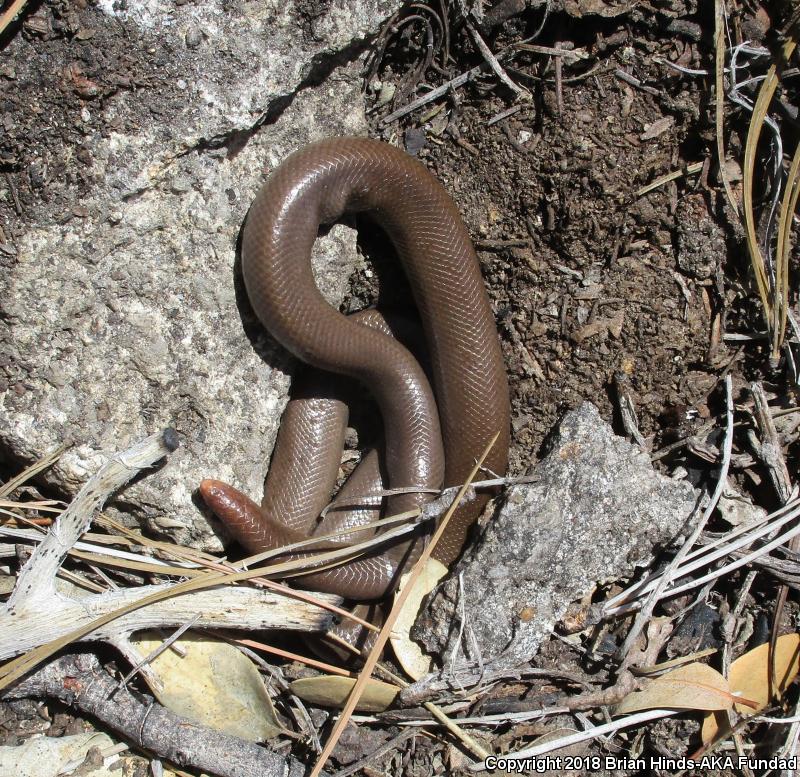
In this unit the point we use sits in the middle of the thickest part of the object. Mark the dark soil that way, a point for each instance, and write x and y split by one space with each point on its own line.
588 279
52 93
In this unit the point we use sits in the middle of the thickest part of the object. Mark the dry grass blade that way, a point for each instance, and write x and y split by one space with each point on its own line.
740 537
34 469
286 654
694 167
14 10
108 557
670 573
583 736
788 205
729 544
322 560
117 532
383 636
645 671
760 108
106 560
719 68
379 539
42 505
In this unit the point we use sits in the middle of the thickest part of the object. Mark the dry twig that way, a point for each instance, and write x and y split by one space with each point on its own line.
719 106
11 13
38 620
669 573
79 681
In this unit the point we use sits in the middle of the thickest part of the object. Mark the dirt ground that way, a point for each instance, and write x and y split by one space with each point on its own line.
584 274
597 288
590 279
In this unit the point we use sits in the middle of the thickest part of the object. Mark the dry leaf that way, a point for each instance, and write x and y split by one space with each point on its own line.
580 8
645 671
691 687
214 684
656 128
600 326
415 663
43 756
85 87
332 691
7 583
749 678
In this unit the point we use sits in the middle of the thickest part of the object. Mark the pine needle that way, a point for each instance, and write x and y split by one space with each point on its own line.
765 94
788 205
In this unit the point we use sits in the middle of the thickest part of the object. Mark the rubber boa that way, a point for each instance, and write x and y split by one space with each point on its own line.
432 435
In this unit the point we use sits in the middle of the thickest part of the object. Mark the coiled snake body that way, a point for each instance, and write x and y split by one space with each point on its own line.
432 437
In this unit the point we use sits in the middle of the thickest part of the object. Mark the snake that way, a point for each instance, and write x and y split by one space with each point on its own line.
434 429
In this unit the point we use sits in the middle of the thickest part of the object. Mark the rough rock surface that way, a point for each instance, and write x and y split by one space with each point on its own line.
596 510
128 315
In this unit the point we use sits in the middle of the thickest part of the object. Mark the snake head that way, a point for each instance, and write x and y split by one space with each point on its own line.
245 520
240 514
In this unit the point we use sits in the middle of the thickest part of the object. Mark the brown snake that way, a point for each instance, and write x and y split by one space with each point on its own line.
432 437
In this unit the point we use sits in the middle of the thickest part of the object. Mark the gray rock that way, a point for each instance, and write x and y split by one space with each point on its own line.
126 319
596 510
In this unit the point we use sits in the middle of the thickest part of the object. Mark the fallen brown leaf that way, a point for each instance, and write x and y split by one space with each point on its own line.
691 687
214 684
332 691
749 678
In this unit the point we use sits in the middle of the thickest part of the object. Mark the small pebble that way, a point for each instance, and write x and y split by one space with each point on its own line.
194 37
